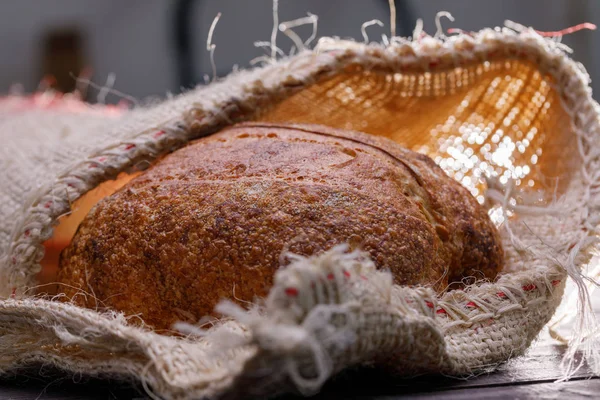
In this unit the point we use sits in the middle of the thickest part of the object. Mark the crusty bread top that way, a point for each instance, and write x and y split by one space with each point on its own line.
216 215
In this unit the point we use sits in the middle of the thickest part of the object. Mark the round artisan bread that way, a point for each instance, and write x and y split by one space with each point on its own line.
214 217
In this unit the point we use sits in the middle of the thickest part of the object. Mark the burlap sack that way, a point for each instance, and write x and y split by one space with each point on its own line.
498 110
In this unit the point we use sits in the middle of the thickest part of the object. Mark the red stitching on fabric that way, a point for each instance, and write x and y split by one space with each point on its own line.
457 30
159 134
129 146
13 293
529 287
556 282
330 276
292 292
471 305
429 304
440 311
346 274
501 295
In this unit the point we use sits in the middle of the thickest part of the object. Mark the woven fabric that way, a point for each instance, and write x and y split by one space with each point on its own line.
500 111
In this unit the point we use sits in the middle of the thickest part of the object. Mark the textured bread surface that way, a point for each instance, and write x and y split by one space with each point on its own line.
211 220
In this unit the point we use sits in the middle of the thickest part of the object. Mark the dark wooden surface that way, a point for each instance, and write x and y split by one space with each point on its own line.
532 376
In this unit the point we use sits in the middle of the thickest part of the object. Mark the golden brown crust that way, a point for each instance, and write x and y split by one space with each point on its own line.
215 216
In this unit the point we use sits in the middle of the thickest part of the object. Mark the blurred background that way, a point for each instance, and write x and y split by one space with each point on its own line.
148 48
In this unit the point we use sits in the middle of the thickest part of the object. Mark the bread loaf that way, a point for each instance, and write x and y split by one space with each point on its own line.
212 219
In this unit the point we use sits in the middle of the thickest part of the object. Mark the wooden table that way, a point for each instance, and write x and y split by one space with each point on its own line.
530 377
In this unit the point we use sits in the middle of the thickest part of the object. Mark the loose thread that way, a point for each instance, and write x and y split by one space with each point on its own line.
285 28
418 29
459 31
211 47
392 18
363 28
567 31
110 82
438 23
275 29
